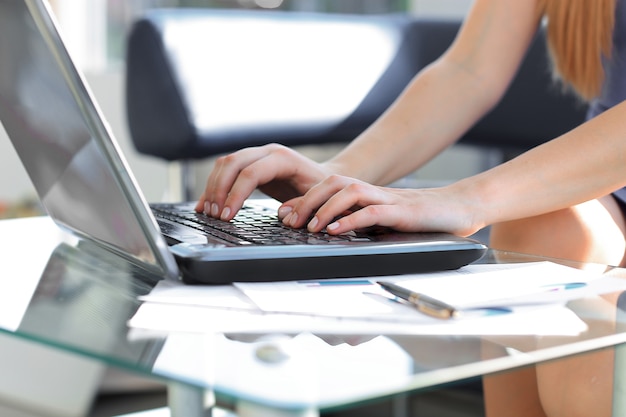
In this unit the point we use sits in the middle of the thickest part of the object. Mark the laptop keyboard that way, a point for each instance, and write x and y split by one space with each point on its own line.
253 226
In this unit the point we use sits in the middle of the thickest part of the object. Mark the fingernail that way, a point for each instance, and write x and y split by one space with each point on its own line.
207 207
215 209
283 211
225 213
332 226
290 218
313 223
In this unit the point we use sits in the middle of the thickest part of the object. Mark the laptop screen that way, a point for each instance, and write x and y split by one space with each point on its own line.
65 146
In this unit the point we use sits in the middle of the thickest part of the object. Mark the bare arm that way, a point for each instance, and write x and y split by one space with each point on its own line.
446 98
583 164
439 105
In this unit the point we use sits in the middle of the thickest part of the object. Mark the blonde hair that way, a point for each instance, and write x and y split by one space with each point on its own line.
580 34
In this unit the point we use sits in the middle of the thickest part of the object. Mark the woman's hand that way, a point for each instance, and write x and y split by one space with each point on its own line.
341 204
276 170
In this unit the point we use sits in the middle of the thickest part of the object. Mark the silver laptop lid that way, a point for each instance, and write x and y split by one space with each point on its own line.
66 147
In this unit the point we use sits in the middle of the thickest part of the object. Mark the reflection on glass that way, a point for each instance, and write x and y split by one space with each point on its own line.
54 137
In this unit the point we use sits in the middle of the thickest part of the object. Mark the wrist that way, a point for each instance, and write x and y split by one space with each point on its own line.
350 166
335 166
473 197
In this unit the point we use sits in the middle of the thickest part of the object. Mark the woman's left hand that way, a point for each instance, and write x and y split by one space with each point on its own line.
340 204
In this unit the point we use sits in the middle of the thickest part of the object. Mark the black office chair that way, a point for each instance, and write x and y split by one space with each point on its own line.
202 82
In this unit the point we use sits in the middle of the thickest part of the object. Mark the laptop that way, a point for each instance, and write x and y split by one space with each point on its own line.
86 186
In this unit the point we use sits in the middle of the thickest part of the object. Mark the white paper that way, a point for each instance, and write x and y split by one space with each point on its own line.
360 306
542 320
474 286
223 296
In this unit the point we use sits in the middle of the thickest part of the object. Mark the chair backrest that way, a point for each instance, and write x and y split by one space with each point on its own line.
204 82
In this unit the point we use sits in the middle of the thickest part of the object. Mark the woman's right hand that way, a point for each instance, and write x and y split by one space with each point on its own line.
276 170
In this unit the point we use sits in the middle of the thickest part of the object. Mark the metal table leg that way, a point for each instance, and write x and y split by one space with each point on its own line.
246 409
188 401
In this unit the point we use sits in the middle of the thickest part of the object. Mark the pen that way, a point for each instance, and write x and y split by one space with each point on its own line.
423 303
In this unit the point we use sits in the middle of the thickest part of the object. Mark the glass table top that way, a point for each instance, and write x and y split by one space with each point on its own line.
65 293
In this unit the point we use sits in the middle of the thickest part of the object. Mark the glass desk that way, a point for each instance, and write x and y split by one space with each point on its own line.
62 293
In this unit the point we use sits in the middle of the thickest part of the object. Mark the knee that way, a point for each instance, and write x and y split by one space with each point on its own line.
577 386
548 235
510 236
585 233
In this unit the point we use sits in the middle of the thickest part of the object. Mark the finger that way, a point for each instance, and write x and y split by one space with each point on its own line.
227 169
314 198
355 194
200 205
280 163
374 215
287 207
403 218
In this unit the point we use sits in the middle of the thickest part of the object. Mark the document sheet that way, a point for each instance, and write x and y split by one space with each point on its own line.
493 299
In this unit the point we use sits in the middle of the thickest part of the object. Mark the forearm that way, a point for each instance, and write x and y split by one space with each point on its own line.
418 126
448 97
584 164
